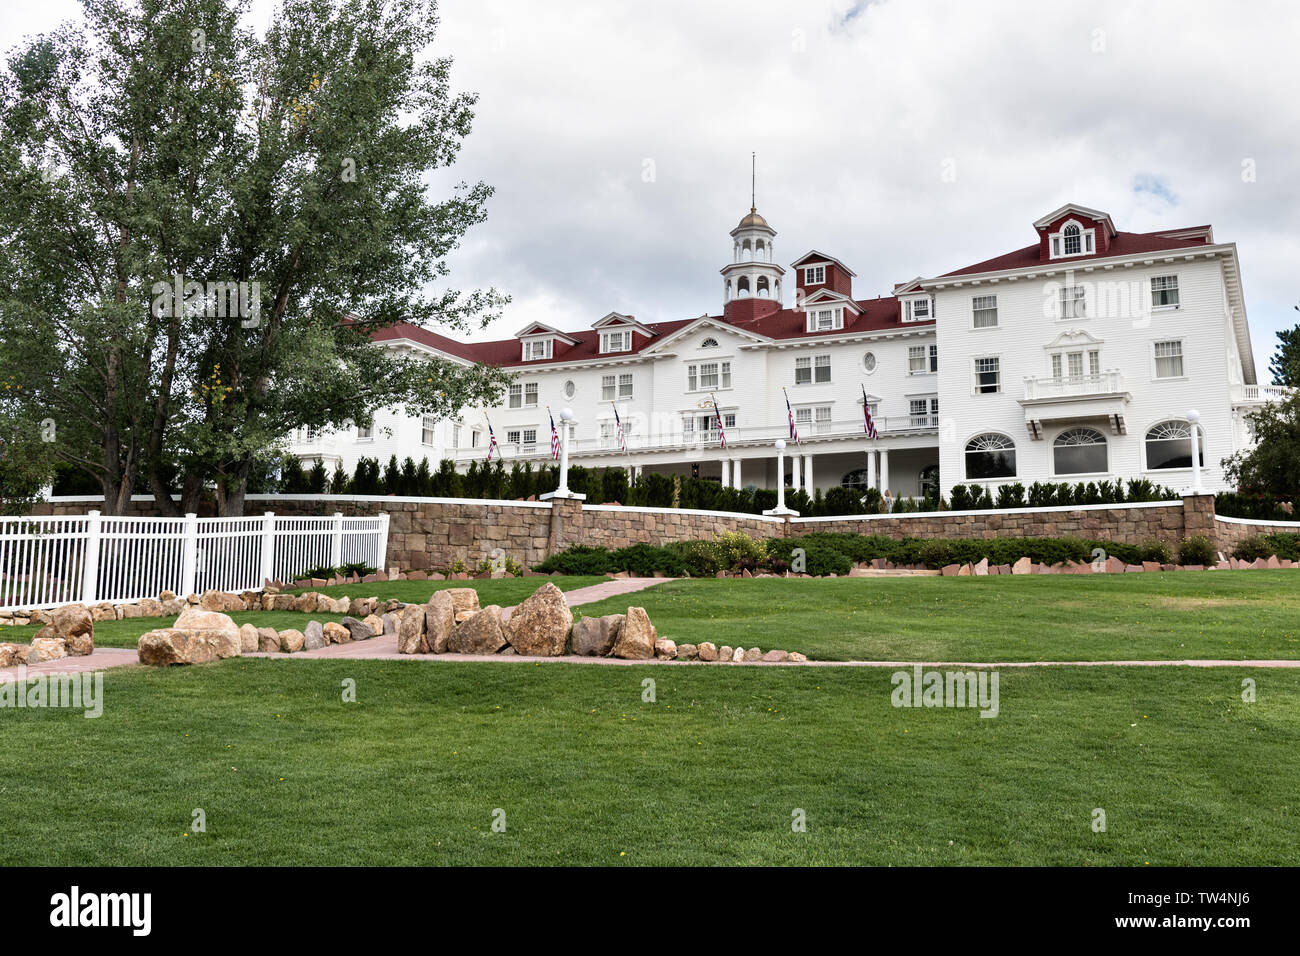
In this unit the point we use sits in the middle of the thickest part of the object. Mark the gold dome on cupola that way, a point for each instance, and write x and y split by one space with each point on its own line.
753 219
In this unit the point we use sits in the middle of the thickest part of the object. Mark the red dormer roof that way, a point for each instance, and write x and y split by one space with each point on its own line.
1122 244
876 315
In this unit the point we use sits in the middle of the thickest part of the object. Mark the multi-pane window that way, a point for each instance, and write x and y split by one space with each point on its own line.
608 388
985 310
922 358
530 395
365 433
822 368
428 429
1080 451
917 310
803 416
1169 359
537 349
516 399
1169 445
704 376
924 411
825 319
619 341
988 375
455 436
802 371
625 386
1073 302
530 436
513 435
1073 240
814 275
990 456
1164 292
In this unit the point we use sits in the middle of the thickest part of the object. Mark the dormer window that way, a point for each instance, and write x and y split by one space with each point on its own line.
620 341
1072 240
814 275
535 349
917 310
825 320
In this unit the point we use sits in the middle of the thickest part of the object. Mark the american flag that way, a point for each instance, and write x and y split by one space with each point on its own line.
555 436
622 436
867 424
492 441
789 412
722 434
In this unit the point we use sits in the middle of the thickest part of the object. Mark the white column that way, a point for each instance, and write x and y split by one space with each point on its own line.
336 542
726 472
268 546
90 558
796 472
735 474
871 468
190 555
884 470
808 483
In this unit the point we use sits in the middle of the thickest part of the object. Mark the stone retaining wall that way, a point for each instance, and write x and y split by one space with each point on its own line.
433 532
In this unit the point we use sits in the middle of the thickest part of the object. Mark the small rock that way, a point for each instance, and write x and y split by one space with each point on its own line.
665 650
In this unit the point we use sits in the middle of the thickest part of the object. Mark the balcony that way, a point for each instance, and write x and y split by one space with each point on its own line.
1069 398
736 437
1259 394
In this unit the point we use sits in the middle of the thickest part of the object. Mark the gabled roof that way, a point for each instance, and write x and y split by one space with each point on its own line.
821 257
541 328
825 295
704 321
1073 208
1123 244
913 285
619 319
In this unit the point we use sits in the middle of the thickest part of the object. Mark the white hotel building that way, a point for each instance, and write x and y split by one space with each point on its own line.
1076 358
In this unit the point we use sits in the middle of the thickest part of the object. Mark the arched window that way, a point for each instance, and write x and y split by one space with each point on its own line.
742 287
728 290
709 343
1073 239
856 480
747 251
990 456
1169 445
1080 451
762 289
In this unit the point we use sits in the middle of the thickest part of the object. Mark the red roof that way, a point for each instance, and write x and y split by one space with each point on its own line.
877 314
1123 244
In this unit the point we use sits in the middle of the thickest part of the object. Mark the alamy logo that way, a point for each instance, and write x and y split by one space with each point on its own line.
74 909
919 688
83 691
214 300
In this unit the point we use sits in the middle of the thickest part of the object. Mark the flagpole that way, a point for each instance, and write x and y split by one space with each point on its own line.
618 426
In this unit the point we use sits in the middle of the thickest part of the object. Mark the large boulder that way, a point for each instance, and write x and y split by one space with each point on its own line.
304 603
357 630
47 649
337 634
268 640
480 633
75 626
248 639
439 621
375 623
198 636
539 627
595 636
707 651
463 599
636 638
313 636
292 640
221 601
410 630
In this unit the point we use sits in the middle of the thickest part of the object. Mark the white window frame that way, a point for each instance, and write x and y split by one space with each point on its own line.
1166 288
821 367
803 364
366 433
530 394
618 340
515 395
428 430
909 309
624 386
980 304
544 346
814 274
1087 241
1074 296
608 388
824 320
1155 361
975 374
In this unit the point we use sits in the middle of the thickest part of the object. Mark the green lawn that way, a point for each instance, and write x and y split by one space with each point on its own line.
711 773
505 592
1221 615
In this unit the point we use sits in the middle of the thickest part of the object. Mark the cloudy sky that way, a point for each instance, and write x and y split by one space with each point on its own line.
904 137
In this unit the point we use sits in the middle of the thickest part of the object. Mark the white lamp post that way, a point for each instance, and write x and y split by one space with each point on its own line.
566 424
780 509
1193 417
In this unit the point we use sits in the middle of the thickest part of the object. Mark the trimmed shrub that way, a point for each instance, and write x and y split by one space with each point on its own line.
579 559
1157 551
1196 550
1285 544
1252 548
643 560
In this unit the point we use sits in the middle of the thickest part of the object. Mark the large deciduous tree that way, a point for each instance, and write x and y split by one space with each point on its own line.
201 227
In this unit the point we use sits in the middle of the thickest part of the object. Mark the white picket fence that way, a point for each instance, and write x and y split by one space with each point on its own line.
46 562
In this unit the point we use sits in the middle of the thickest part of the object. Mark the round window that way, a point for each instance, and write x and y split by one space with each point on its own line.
569 389
869 362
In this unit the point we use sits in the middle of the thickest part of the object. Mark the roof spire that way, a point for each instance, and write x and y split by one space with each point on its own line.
753 180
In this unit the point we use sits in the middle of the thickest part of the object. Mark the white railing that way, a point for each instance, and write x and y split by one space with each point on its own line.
1265 393
1063 386
46 562
704 438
